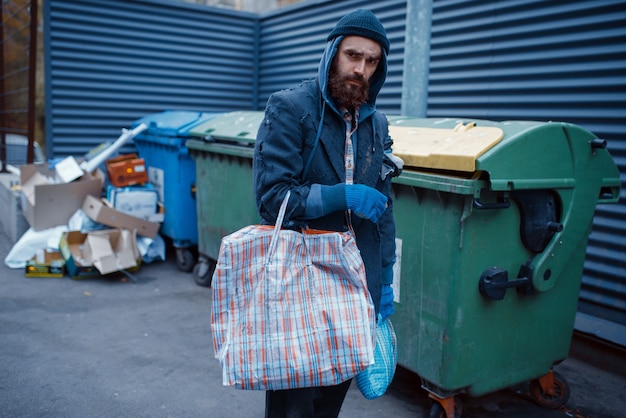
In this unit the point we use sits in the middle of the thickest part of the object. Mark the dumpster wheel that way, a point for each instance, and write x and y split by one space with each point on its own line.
185 260
203 271
550 391
443 406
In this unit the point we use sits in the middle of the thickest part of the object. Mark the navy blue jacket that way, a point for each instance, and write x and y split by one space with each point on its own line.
284 144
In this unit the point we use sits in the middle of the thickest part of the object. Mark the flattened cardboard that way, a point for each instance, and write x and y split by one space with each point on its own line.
97 210
112 251
48 205
449 149
99 252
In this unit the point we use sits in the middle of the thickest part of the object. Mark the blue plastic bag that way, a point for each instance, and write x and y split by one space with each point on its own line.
374 380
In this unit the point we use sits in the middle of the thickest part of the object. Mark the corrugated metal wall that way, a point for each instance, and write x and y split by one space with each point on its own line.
498 60
544 60
293 39
109 62
112 61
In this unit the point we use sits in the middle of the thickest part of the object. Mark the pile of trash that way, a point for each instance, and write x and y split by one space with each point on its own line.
85 222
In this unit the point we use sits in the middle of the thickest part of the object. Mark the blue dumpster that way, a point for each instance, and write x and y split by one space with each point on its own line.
173 172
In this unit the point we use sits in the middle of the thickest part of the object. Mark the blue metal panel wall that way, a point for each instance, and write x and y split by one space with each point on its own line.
544 60
293 38
113 61
499 60
109 62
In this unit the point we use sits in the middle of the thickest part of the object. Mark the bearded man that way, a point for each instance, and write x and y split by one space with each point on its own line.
325 142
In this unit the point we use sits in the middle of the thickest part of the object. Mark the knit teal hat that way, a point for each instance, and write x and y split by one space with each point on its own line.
361 23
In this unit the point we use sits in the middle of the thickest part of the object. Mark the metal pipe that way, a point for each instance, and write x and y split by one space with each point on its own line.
32 81
127 135
416 58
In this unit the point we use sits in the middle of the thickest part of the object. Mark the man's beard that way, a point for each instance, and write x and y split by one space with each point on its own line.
348 95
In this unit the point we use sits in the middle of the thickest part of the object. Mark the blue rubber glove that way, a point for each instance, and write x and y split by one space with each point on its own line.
386 301
366 202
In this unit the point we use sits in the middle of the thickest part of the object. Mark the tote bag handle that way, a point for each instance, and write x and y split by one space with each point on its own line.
279 223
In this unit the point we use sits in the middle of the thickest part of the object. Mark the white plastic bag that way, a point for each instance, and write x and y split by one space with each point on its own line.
151 249
26 247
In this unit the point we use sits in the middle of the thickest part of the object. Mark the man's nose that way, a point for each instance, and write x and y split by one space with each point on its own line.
359 67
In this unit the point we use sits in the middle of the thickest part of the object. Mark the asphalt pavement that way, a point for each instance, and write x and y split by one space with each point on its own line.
141 347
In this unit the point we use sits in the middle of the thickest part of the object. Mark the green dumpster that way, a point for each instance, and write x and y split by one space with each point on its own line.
492 222
492 226
223 152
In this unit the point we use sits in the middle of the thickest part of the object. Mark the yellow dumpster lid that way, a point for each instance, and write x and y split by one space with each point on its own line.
449 149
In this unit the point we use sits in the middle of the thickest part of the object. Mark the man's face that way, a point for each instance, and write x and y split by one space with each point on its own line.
356 61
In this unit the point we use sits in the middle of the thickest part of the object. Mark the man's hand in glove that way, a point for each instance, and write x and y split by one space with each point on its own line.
366 202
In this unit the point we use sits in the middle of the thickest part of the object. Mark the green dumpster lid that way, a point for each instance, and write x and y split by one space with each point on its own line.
442 148
241 126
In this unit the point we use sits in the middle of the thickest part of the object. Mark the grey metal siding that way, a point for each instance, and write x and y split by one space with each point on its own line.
544 60
109 62
292 41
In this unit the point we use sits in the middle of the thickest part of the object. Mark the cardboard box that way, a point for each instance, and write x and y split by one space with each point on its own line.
45 204
139 201
67 170
98 211
99 253
45 264
126 170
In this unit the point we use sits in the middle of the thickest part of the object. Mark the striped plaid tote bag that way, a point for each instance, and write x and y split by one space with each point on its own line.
290 309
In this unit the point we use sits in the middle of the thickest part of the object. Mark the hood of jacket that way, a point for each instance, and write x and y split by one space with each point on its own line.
376 82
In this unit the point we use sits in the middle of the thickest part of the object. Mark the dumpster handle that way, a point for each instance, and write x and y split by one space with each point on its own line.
598 143
494 282
502 204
